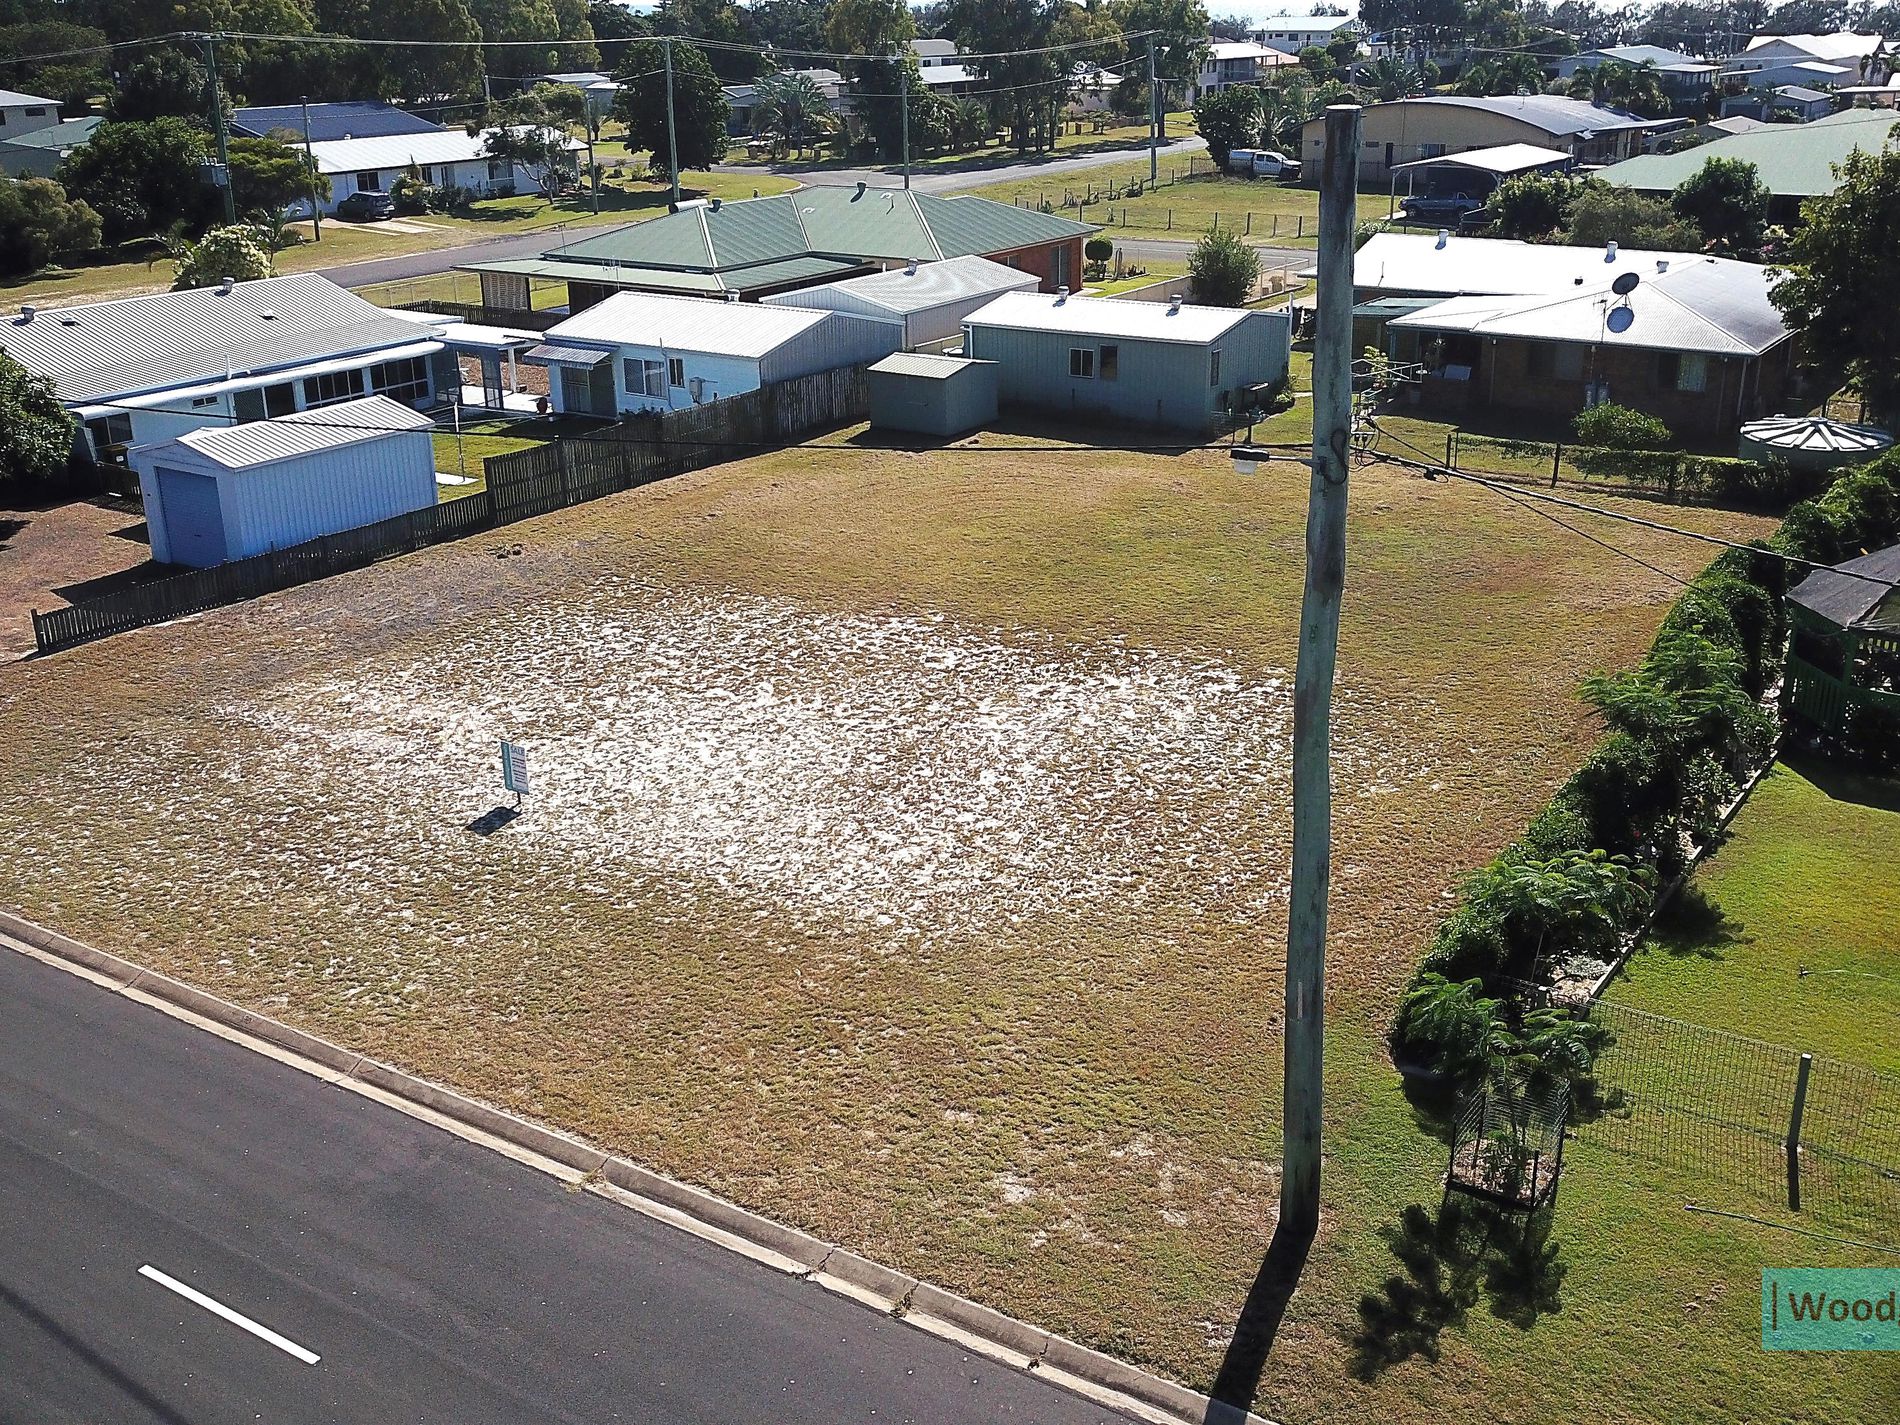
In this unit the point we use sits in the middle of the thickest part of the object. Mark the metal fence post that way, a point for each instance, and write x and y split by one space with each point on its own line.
1794 1132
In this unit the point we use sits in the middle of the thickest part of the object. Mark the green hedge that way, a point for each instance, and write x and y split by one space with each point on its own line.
1647 791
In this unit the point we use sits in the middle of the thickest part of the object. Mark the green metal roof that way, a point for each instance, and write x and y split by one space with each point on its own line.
813 224
1794 160
68 134
661 279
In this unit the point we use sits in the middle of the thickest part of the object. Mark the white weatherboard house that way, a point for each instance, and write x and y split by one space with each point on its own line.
638 351
929 300
215 495
1144 362
25 113
143 369
447 158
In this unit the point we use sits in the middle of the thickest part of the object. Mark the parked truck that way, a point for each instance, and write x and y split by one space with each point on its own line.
1262 163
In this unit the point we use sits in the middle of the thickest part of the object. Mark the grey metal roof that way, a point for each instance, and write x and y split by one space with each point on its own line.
1840 598
932 368
360 119
256 443
385 151
904 290
552 353
69 133
688 324
1799 93
1425 264
14 99
1553 113
1505 158
100 350
1106 316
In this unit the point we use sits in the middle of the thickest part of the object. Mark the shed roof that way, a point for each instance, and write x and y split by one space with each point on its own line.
254 443
353 118
744 329
98 350
1794 160
14 99
1841 598
902 291
401 150
1105 316
1799 93
1555 114
1645 54
925 366
1424 264
1841 44
69 133
1707 305
1505 158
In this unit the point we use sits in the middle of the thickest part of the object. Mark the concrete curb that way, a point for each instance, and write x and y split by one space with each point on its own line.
1003 1338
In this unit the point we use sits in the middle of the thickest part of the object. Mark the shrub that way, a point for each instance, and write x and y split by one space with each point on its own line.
410 195
1098 249
1224 269
1454 1028
1620 428
1470 941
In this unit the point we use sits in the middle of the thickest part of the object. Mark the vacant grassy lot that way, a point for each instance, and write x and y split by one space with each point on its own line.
1186 205
907 860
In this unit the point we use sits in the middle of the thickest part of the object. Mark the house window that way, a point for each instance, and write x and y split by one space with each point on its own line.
675 371
366 182
1082 361
494 170
38 113
1692 372
428 174
1540 361
115 429
1668 369
406 380
1109 362
280 400
331 387
1213 367
645 378
203 403
1059 266
1431 150
1568 362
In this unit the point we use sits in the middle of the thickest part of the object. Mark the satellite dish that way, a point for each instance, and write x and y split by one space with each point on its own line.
1625 283
1622 318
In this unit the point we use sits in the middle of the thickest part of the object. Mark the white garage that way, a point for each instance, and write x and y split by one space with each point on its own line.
215 495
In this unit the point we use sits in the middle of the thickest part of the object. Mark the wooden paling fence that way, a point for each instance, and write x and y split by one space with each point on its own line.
519 486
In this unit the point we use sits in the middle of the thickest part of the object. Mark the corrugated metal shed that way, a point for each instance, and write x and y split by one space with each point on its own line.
241 447
931 395
1810 442
1555 114
1794 160
1503 160
930 299
1710 305
101 350
214 496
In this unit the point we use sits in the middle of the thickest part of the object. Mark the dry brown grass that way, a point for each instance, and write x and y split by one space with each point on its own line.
760 699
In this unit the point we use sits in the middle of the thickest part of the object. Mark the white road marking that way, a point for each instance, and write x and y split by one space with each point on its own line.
218 1308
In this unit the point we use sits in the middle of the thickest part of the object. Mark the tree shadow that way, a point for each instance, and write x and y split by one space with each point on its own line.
1451 1260
1693 924
1844 784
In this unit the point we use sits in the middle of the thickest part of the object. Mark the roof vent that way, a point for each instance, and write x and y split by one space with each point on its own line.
267 316
714 203
1174 304
732 296
1062 295
225 284
862 185
910 268
1444 236
27 312
1662 264
1609 252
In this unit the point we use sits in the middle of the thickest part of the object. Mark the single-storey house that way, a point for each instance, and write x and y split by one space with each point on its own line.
934 52
140 369
637 351
23 113
924 394
1147 363
1696 342
37 154
758 246
328 122
1795 161
950 81
928 300
1436 125
1805 104
230 492
447 158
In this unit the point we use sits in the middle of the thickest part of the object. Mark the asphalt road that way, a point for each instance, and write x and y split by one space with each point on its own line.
409 266
433 1280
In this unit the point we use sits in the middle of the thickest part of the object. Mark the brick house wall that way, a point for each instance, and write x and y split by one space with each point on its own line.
1552 378
1043 260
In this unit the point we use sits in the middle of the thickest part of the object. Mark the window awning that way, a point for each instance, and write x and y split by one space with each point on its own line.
552 354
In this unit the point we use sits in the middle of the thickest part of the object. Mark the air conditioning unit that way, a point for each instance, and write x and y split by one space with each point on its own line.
698 387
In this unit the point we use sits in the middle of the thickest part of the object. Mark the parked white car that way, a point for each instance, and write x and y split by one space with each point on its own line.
1262 163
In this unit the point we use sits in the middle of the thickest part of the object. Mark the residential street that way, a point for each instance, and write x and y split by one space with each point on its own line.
188 1224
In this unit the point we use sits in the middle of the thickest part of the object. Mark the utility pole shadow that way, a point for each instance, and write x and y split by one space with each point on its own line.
1238 1380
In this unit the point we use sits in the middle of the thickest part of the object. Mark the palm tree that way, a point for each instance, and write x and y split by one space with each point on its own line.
972 123
1393 78
793 107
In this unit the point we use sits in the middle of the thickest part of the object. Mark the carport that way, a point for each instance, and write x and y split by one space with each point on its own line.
1476 172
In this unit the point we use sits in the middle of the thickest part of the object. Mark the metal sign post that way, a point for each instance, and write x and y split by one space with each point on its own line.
514 769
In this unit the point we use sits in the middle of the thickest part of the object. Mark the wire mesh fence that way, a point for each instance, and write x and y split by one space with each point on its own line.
1721 1108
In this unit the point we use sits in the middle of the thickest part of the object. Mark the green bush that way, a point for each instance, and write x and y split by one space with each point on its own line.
410 195
1620 428
1454 1028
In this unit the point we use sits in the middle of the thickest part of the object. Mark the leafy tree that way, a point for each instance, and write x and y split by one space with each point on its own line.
1390 78
1380 15
1317 62
268 176
446 63
791 25
793 107
1727 200
38 222
167 82
242 250
507 27
574 23
1531 205
877 30
1635 87
1502 74
72 79
531 131
142 179
868 26
1601 214
1181 45
613 24
1842 282
719 20
700 106
1224 269
1030 84
37 433
1228 119
1460 1031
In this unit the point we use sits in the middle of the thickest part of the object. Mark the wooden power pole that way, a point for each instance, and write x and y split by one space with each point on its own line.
1303 1086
